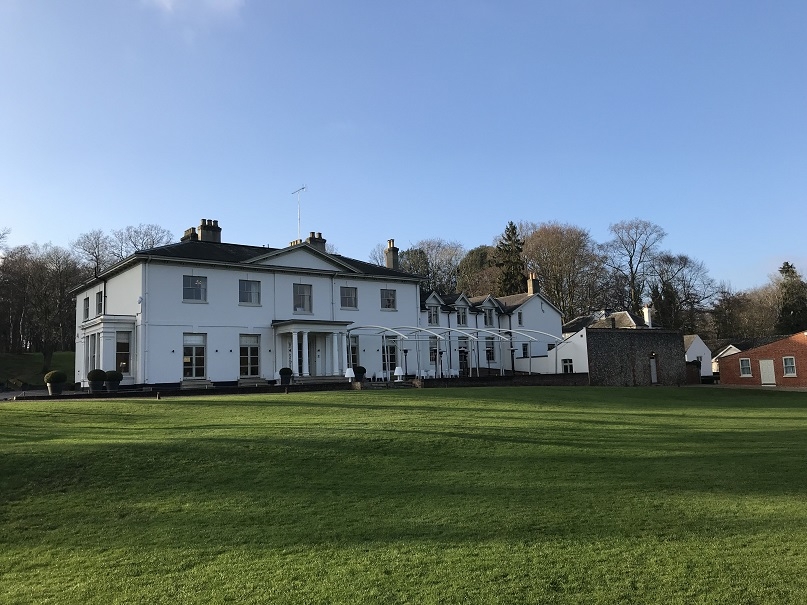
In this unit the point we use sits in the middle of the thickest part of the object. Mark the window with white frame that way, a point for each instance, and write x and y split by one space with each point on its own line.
99 303
349 297
568 366
193 355
490 349
123 352
745 366
388 300
525 349
249 352
434 315
462 316
90 346
390 360
249 292
194 288
521 318
302 298
790 366
354 351
432 349
86 311
488 317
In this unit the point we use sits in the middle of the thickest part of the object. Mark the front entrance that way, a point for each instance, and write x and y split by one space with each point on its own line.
767 372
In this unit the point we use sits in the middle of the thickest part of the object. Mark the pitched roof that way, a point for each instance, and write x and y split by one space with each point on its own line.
617 319
236 254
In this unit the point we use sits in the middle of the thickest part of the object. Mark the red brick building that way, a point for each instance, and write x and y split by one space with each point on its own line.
780 363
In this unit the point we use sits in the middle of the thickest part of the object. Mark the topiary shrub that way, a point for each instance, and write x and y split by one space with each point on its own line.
96 375
113 376
55 377
285 375
359 371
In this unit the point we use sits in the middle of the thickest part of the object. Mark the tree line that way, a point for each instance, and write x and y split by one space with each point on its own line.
632 268
576 273
37 310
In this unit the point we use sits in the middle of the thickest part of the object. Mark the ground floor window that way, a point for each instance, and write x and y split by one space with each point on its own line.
91 352
525 349
193 356
790 366
745 367
249 348
390 357
123 352
490 351
568 366
354 351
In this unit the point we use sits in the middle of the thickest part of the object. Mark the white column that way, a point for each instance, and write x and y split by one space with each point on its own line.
305 354
335 371
295 360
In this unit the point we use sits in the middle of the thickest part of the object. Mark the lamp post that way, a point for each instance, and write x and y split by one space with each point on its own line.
440 356
513 360
406 365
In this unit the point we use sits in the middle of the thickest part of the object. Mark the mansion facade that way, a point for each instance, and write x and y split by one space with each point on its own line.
202 312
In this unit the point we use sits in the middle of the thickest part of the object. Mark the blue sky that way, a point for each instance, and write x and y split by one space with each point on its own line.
410 120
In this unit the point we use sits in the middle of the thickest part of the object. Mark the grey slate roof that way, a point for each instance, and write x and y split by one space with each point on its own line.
237 254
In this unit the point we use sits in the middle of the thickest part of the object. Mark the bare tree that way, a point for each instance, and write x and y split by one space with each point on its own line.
681 291
567 263
96 249
4 232
376 255
630 253
130 239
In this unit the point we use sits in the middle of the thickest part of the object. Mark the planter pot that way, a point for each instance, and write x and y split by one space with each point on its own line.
55 388
112 386
96 387
360 377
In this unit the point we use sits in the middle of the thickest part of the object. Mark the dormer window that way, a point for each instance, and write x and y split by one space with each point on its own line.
488 317
462 316
434 315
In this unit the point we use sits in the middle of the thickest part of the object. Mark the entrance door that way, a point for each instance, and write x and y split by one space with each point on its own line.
766 371
313 356
193 356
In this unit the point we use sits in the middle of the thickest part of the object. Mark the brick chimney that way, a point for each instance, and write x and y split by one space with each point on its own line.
315 240
391 255
648 315
532 283
190 235
209 231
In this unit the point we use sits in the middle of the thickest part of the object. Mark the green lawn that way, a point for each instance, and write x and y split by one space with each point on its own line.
508 495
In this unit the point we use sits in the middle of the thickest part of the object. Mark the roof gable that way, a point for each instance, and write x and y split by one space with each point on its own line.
301 256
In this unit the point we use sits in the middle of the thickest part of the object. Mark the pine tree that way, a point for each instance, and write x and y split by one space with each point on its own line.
510 259
793 291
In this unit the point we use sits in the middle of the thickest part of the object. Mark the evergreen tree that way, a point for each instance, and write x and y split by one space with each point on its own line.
793 291
510 259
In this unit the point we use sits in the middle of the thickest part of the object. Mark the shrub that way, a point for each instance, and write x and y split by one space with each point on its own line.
113 376
286 372
96 375
55 376
359 371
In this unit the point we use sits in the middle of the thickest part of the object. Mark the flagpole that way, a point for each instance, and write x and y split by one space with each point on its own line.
298 192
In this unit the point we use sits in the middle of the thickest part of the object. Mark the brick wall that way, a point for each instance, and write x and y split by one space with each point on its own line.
621 357
792 346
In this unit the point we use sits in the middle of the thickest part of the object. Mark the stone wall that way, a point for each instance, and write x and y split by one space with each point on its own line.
621 357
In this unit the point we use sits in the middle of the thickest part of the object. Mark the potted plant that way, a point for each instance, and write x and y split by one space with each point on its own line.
96 380
113 378
55 380
360 371
285 375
